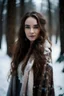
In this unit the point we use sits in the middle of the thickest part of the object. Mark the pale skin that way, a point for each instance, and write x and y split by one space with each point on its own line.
32 29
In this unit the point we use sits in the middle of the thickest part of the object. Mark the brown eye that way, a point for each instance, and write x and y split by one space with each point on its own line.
36 26
27 26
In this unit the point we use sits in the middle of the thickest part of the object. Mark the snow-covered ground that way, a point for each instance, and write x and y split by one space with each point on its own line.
57 69
4 68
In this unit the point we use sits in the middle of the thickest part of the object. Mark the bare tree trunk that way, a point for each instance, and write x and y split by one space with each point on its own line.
61 13
57 31
49 19
1 18
22 7
61 19
10 33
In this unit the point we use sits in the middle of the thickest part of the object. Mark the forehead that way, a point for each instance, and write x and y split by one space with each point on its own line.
31 21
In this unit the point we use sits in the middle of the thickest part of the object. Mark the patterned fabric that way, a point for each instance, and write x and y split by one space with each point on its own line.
17 85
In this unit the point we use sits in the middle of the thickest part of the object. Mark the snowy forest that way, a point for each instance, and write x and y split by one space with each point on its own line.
11 12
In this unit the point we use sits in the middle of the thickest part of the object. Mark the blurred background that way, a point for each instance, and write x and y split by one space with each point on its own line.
11 12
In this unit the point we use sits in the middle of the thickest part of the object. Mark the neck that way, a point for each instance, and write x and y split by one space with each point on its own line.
31 43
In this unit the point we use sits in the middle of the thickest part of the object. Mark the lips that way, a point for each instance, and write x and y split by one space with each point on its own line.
32 36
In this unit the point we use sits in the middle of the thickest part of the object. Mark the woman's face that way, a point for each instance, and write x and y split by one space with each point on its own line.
32 29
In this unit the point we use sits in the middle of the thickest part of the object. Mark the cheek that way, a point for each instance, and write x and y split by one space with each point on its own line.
38 32
27 31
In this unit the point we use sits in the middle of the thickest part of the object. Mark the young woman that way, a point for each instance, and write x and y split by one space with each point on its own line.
31 73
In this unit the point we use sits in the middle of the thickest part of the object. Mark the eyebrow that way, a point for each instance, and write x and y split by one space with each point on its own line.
29 25
36 25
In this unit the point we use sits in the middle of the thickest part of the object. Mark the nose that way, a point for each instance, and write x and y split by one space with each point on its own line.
31 30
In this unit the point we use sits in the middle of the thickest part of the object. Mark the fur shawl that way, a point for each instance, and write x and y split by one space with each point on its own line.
44 88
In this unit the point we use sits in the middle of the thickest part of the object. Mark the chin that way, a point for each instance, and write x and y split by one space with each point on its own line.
32 40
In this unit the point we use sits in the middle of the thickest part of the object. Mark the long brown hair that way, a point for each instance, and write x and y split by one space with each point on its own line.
22 46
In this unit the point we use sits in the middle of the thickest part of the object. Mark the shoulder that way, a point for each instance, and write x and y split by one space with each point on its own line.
47 51
47 43
47 46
